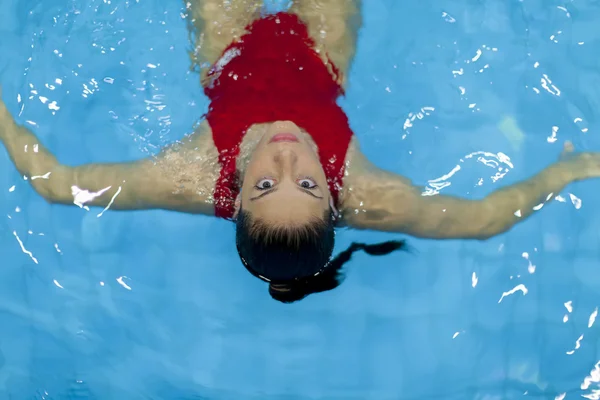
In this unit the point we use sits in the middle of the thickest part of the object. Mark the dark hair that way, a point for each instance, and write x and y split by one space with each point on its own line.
332 276
296 260
284 252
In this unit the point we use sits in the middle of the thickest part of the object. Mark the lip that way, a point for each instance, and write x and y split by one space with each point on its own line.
284 137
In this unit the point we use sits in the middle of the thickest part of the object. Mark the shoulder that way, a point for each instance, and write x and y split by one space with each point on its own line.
193 165
366 188
197 149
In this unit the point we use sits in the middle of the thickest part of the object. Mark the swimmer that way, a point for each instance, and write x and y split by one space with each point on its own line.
276 155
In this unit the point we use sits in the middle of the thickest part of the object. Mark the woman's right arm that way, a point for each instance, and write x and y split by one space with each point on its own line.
181 178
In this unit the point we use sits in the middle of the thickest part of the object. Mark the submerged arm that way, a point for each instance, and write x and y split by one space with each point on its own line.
175 180
390 203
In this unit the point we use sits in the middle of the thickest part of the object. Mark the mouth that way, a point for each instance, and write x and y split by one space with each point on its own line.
284 137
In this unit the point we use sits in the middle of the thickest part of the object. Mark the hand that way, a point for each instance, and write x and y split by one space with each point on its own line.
579 166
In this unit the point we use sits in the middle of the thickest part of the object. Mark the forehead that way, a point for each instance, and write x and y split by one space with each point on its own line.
288 203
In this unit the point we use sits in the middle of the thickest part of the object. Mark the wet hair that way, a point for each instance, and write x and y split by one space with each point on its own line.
296 259
281 253
332 276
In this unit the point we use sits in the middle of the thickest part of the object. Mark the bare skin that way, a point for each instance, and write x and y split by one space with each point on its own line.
217 23
334 25
183 176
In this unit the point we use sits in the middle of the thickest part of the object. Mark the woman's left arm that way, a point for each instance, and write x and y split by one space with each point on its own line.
375 199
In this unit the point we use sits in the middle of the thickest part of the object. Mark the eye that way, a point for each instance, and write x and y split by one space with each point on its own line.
307 183
265 184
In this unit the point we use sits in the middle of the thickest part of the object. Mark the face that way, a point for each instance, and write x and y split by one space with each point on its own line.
284 181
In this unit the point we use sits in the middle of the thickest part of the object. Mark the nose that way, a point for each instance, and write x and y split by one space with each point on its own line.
287 159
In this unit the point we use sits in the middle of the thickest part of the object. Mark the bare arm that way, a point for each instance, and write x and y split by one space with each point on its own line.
214 24
383 201
181 178
341 21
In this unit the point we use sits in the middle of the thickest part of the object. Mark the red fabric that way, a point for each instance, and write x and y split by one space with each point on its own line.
274 74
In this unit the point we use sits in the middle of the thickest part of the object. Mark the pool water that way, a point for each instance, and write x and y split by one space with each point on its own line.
462 97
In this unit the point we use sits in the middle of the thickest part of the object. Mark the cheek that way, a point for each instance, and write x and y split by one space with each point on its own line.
312 165
246 185
255 169
258 160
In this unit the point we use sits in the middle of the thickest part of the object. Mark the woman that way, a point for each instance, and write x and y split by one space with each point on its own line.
276 153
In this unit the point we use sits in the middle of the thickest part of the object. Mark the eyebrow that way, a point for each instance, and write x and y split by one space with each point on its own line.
274 189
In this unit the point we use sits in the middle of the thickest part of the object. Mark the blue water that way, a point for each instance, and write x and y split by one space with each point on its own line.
155 305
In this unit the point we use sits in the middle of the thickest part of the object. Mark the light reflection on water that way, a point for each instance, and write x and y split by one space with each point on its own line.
460 97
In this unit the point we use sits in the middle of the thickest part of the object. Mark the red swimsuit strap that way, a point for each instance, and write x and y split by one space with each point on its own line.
272 74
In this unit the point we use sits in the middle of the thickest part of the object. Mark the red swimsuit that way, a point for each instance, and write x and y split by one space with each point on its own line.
272 74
